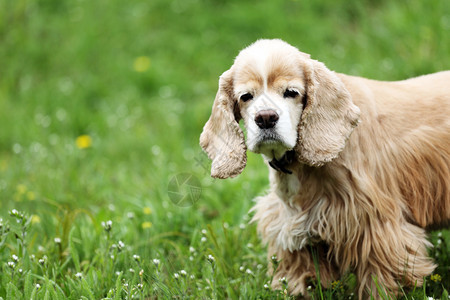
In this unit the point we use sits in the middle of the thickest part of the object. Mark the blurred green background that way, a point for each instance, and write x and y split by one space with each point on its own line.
133 82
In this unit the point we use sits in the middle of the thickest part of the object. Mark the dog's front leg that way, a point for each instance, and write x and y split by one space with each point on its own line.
300 266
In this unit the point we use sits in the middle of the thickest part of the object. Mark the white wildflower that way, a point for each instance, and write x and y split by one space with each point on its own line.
283 280
107 225
120 246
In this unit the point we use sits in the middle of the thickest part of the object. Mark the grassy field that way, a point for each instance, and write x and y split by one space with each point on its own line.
101 108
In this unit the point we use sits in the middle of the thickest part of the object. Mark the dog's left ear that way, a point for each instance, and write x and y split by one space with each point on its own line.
222 138
329 116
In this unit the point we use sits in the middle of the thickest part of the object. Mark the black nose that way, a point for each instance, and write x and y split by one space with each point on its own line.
266 119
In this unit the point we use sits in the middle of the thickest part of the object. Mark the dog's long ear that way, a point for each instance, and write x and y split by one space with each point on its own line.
222 138
329 116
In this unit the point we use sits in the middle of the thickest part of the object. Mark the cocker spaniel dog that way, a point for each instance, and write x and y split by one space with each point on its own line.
358 168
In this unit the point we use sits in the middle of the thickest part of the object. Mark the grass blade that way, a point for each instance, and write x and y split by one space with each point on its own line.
73 251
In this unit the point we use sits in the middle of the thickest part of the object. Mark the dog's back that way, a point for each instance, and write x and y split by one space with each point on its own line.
409 122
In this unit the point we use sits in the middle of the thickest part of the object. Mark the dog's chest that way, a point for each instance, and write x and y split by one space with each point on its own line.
286 186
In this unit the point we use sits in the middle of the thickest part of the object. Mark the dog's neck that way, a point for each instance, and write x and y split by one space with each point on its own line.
282 164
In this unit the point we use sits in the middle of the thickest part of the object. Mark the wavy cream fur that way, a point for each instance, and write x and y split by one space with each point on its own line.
371 176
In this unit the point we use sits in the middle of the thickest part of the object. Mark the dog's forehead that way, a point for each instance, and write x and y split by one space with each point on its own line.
265 48
267 62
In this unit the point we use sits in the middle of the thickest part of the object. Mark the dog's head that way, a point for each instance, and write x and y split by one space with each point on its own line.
287 101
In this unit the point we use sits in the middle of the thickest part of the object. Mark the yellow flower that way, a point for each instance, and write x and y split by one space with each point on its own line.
21 189
31 196
436 278
141 64
337 284
84 141
35 219
3 165
146 225
147 210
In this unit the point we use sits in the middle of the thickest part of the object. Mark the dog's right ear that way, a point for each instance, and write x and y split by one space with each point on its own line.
222 139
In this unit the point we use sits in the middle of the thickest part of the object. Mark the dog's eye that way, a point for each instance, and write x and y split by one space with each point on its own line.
290 93
245 97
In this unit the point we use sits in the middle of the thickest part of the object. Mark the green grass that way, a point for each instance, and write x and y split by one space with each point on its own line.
67 69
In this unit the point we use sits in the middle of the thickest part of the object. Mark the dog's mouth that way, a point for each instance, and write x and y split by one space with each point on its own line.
274 148
272 145
269 137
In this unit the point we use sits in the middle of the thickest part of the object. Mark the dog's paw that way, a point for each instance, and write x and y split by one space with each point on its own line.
295 286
